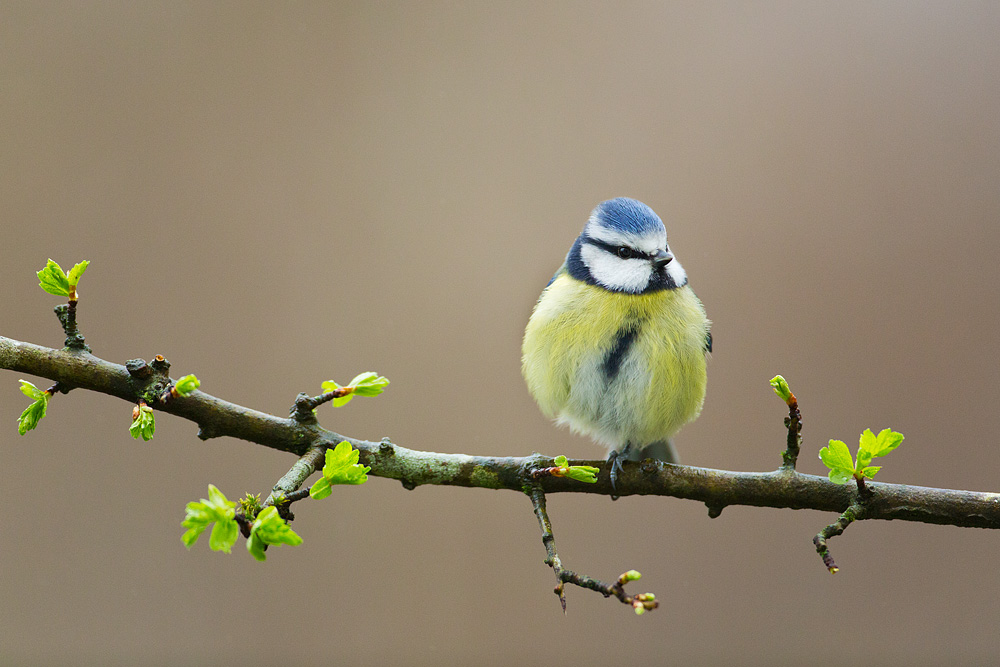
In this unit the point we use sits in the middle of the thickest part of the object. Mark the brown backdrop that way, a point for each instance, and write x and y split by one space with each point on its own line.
276 194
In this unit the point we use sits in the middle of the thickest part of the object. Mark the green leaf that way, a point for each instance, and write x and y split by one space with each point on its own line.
321 489
343 400
560 461
864 458
583 473
886 441
837 457
223 536
144 424
840 476
74 274
31 391
256 547
269 528
186 385
781 388
341 467
32 415
218 510
867 441
53 279
361 377
364 384
870 471
369 384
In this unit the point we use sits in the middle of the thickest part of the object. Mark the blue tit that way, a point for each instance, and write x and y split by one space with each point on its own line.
616 346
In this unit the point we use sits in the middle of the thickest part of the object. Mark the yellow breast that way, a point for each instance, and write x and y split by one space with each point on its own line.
618 367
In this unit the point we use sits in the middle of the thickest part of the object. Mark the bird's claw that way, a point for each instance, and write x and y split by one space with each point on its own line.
615 461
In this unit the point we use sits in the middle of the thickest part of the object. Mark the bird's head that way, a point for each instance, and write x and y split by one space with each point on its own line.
623 248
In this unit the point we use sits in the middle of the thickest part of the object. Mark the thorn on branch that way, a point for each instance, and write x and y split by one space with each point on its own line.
851 514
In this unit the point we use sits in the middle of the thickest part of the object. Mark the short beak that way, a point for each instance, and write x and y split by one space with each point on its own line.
662 257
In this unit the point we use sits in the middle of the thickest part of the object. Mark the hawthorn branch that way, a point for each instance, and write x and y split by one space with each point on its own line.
850 515
642 602
782 488
288 488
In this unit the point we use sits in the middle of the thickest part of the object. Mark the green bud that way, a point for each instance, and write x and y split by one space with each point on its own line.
781 388
586 474
186 385
143 423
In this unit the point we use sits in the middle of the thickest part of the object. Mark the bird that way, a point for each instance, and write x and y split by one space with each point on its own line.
617 344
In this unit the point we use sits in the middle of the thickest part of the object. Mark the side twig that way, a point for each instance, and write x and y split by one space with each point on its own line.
851 514
641 603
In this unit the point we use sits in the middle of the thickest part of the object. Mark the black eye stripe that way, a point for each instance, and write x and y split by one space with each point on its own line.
618 250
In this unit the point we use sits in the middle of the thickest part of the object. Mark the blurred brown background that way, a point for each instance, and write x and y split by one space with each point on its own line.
276 194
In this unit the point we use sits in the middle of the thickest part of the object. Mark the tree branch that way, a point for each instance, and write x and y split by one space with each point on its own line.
301 434
718 489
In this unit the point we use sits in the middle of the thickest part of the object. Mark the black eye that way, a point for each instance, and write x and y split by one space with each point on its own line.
625 252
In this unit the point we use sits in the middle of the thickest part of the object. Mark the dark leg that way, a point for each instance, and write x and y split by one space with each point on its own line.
615 459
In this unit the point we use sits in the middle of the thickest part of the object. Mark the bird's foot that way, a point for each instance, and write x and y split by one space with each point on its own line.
615 459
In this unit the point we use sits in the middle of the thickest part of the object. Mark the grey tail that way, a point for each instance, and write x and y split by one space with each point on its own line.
663 450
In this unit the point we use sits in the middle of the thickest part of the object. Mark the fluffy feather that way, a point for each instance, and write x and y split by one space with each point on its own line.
659 383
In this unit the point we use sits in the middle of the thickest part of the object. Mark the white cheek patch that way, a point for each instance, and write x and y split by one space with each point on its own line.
677 273
615 273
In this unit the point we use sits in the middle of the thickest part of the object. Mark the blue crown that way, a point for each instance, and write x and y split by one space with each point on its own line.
627 215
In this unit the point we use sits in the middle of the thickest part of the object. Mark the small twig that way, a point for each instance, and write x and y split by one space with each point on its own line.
66 312
864 493
288 487
641 602
851 514
549 540
793 422
302 411
244 524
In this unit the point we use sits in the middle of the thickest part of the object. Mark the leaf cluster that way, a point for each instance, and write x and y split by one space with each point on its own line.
365 384
586 474
143 423
54 280
267 529
341 467
843 468
218 510
33 413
